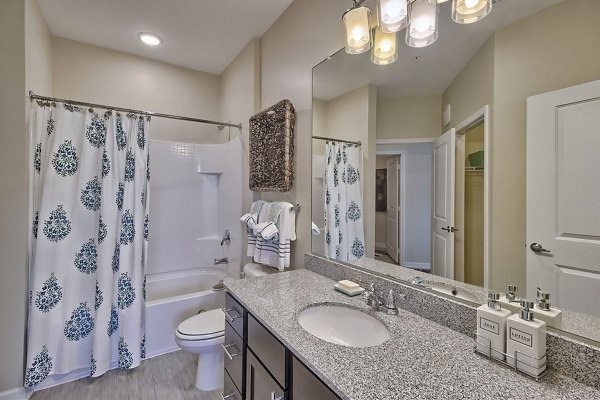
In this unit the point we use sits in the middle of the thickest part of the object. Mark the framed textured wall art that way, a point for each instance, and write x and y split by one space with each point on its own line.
272 148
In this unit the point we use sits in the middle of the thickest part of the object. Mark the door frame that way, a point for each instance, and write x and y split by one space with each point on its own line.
385 147
483 114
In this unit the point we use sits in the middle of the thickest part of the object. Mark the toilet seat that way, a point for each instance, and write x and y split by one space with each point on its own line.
204 326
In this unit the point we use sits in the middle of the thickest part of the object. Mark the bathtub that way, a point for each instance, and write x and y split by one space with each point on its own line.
174 296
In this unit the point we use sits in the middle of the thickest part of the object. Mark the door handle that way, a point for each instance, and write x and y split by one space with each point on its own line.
450 229
226 347
276 398
538 248
230 318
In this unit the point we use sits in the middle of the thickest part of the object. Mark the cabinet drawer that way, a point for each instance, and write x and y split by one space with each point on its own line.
268 349
306 386
234 314
233 349
230 392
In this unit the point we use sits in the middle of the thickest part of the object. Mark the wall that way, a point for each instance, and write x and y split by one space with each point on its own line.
95 74
240 99
409 117
303 36
26 65
473 87
531 57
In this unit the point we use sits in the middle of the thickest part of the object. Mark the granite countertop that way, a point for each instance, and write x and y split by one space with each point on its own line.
422 360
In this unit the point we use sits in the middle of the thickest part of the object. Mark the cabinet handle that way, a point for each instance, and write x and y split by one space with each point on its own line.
229 317
223 397
229 355
276 398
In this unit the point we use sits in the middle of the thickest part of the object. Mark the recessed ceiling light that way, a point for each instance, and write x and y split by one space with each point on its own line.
150 38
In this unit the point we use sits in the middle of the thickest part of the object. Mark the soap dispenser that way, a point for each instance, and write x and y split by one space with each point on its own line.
544 311
491 327
510 300
526 343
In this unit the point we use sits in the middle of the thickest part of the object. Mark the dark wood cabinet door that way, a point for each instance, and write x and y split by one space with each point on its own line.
306 386
260 385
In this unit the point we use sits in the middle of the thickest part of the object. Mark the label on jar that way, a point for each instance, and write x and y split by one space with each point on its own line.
489 326
521 337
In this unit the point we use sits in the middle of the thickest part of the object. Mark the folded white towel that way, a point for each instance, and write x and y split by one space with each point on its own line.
267 230
315 229
249 219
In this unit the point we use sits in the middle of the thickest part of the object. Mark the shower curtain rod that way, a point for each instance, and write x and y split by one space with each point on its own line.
221 125
337 140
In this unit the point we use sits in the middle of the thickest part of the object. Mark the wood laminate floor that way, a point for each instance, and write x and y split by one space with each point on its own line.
168 377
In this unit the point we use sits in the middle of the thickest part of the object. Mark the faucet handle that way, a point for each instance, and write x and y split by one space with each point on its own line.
391 307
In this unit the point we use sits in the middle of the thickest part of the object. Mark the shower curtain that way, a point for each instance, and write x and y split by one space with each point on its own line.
88 240
344 230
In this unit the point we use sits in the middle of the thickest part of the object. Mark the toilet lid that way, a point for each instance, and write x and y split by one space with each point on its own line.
205 325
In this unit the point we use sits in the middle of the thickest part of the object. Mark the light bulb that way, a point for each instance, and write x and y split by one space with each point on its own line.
384 49
469 11
358 33
471 3
149 38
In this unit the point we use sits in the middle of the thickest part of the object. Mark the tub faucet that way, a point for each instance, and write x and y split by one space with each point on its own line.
226 237
224 260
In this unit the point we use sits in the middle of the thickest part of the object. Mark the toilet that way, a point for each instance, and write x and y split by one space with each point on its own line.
204 334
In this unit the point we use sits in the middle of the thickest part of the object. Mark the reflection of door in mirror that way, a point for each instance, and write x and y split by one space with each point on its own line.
392 209
563 195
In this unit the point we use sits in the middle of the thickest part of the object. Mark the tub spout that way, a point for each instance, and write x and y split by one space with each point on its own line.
224 260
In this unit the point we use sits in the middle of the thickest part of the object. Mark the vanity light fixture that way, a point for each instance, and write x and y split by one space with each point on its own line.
423 28
469 11
419 17
359 37
384 50
150 38
392 15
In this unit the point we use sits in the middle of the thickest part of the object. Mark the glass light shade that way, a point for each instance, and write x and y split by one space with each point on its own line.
423 28
385 49
469 11
437 1
392 15
358 30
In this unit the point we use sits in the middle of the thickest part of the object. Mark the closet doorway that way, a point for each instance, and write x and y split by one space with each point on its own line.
471 199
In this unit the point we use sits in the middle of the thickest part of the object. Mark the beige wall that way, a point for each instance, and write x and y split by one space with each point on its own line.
95 74
473 87
409 117
303 36
26 53
240 99
532 56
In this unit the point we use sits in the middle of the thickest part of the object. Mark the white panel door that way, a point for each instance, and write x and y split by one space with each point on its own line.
392 216
563 196
442 243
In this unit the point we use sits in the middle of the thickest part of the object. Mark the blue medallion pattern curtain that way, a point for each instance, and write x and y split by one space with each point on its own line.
344 230
89 240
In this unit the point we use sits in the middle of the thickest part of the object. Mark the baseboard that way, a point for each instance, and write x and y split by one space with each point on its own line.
20 393
419 266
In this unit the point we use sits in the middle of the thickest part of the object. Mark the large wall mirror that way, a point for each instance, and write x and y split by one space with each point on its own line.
473 163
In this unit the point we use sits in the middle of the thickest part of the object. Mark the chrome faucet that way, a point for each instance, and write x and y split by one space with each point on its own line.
224 260
226 237
390 306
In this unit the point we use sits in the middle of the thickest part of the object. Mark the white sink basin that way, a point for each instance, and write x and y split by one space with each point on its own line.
343 325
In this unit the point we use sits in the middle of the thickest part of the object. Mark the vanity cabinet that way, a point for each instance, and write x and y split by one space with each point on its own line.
306 386
259 367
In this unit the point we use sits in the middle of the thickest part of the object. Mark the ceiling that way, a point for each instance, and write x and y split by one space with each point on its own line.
420 72
203 35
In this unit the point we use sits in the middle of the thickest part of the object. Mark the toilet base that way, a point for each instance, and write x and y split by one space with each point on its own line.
209 374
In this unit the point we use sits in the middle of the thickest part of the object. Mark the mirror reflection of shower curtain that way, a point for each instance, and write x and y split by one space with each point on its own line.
344 230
